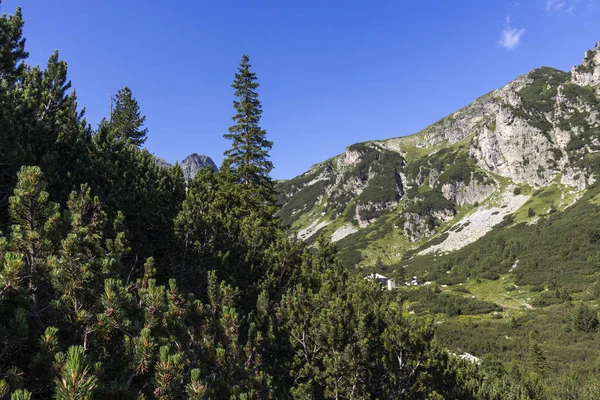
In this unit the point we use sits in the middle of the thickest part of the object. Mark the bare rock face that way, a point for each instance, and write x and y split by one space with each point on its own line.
419 226
516 150
351 157
588 73
192 163
522 130
474 192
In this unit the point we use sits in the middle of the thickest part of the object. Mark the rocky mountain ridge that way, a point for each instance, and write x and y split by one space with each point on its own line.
539 131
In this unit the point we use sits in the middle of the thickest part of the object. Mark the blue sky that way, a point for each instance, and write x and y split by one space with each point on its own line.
332 73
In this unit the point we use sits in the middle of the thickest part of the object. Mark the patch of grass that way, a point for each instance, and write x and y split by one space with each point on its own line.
554 195
495 291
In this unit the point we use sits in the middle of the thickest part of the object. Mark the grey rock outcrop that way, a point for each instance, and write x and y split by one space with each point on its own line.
419 226
588 73
516 150
474 192
192 163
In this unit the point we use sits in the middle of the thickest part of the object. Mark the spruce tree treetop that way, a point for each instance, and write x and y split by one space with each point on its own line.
126 121
249 155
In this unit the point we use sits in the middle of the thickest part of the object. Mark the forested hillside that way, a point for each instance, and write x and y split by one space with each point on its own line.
120 280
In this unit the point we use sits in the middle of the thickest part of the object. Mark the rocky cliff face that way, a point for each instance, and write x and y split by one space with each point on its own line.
541 129
357 186
418 226
472 193
588 73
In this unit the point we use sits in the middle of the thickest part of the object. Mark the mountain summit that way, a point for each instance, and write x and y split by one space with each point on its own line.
192 163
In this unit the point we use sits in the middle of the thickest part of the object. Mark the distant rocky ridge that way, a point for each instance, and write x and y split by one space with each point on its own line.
191 164
161 162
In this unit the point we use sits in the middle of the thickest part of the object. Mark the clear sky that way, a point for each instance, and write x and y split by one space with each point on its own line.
332 73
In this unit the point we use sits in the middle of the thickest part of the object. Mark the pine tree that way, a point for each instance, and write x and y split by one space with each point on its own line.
76 380
126 121
81 263
40 125
249 157
34 221
536 355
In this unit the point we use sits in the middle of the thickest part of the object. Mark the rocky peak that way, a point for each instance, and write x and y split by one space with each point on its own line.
588 73
192 163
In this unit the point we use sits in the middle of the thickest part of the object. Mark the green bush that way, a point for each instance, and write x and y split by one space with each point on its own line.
584 318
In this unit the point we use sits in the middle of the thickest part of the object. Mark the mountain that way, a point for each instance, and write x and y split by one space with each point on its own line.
518 152
191 164
487 220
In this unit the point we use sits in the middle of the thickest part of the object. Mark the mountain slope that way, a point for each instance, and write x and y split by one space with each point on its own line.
464 173
487 220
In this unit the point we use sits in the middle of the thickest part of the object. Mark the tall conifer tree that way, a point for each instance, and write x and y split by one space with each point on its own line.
249 156
126 121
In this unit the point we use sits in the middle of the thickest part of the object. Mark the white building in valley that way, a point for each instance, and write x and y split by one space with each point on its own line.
385 282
